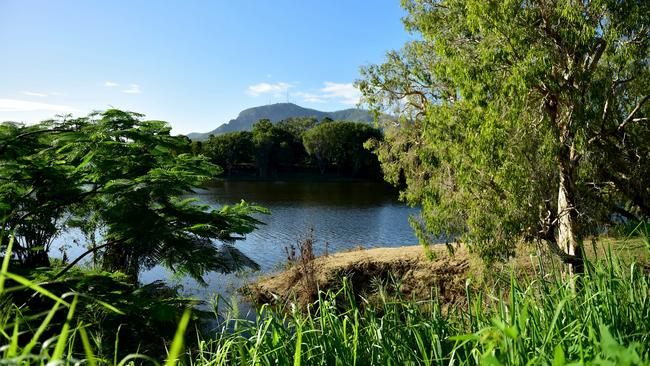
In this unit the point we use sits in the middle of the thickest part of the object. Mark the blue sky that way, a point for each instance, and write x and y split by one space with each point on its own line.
195 64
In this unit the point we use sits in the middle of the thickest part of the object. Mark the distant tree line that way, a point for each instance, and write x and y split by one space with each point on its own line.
296 145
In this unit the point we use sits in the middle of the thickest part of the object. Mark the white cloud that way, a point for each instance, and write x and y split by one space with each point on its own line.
343 93
276 89
330 92
34 94
309 97
110 84
15 105
133 89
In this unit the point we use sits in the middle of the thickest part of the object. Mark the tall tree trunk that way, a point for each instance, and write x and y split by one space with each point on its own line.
566 209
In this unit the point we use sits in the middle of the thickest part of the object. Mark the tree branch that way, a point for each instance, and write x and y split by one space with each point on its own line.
82 256
564 256
622 125
600 48
25 134
630 117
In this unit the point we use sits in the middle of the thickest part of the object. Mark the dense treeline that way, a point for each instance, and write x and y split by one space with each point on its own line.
296 145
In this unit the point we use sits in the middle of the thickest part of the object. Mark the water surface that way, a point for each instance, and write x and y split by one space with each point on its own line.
343 214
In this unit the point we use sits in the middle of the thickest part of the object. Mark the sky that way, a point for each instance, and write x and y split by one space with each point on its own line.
195 64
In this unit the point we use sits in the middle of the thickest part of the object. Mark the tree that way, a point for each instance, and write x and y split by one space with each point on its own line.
230 149
265 144
341 143
196 147
320 144
297 126
294 129
125 177
272 146
528 120
35 189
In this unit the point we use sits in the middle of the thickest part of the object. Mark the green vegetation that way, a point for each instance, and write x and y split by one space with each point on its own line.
292 144
536 320
278 112
517 122
122 182
520 121
342 144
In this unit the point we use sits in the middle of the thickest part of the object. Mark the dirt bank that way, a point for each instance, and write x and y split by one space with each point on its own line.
418 276
366 270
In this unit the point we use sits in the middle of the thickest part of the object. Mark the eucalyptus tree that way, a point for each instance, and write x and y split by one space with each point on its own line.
125 177
519 120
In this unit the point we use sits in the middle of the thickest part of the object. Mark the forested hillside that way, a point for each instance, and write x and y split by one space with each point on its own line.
277 112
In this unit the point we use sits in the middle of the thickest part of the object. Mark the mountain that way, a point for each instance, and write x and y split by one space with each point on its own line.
277 112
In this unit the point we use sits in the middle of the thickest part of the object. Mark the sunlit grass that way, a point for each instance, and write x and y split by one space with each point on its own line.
540 321
602 318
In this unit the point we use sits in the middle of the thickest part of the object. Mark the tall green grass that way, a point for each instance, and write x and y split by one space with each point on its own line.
54 342
542 320
603 318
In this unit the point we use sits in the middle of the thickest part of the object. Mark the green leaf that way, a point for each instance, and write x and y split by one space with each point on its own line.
558 358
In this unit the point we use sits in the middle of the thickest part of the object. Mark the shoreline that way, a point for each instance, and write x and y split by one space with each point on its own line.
408 271
366 270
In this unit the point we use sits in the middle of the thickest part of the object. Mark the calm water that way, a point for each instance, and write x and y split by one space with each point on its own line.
343 214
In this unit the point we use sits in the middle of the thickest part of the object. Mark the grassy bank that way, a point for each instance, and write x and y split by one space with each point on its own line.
414 272
603 317
540 320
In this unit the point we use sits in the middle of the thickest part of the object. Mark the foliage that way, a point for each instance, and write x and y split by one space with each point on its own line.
295 129
271 147
537 321
519 121
341 143
114 174
301 142
140 319
230 149
35 188
196 147
95 316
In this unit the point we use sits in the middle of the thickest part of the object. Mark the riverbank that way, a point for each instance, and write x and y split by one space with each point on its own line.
369 269
409 271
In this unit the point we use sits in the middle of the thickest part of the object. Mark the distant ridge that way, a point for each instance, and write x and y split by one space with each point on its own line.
277 112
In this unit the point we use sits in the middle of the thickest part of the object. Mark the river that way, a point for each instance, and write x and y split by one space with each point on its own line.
343 214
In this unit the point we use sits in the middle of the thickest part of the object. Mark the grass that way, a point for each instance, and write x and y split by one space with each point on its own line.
603 318
536 321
